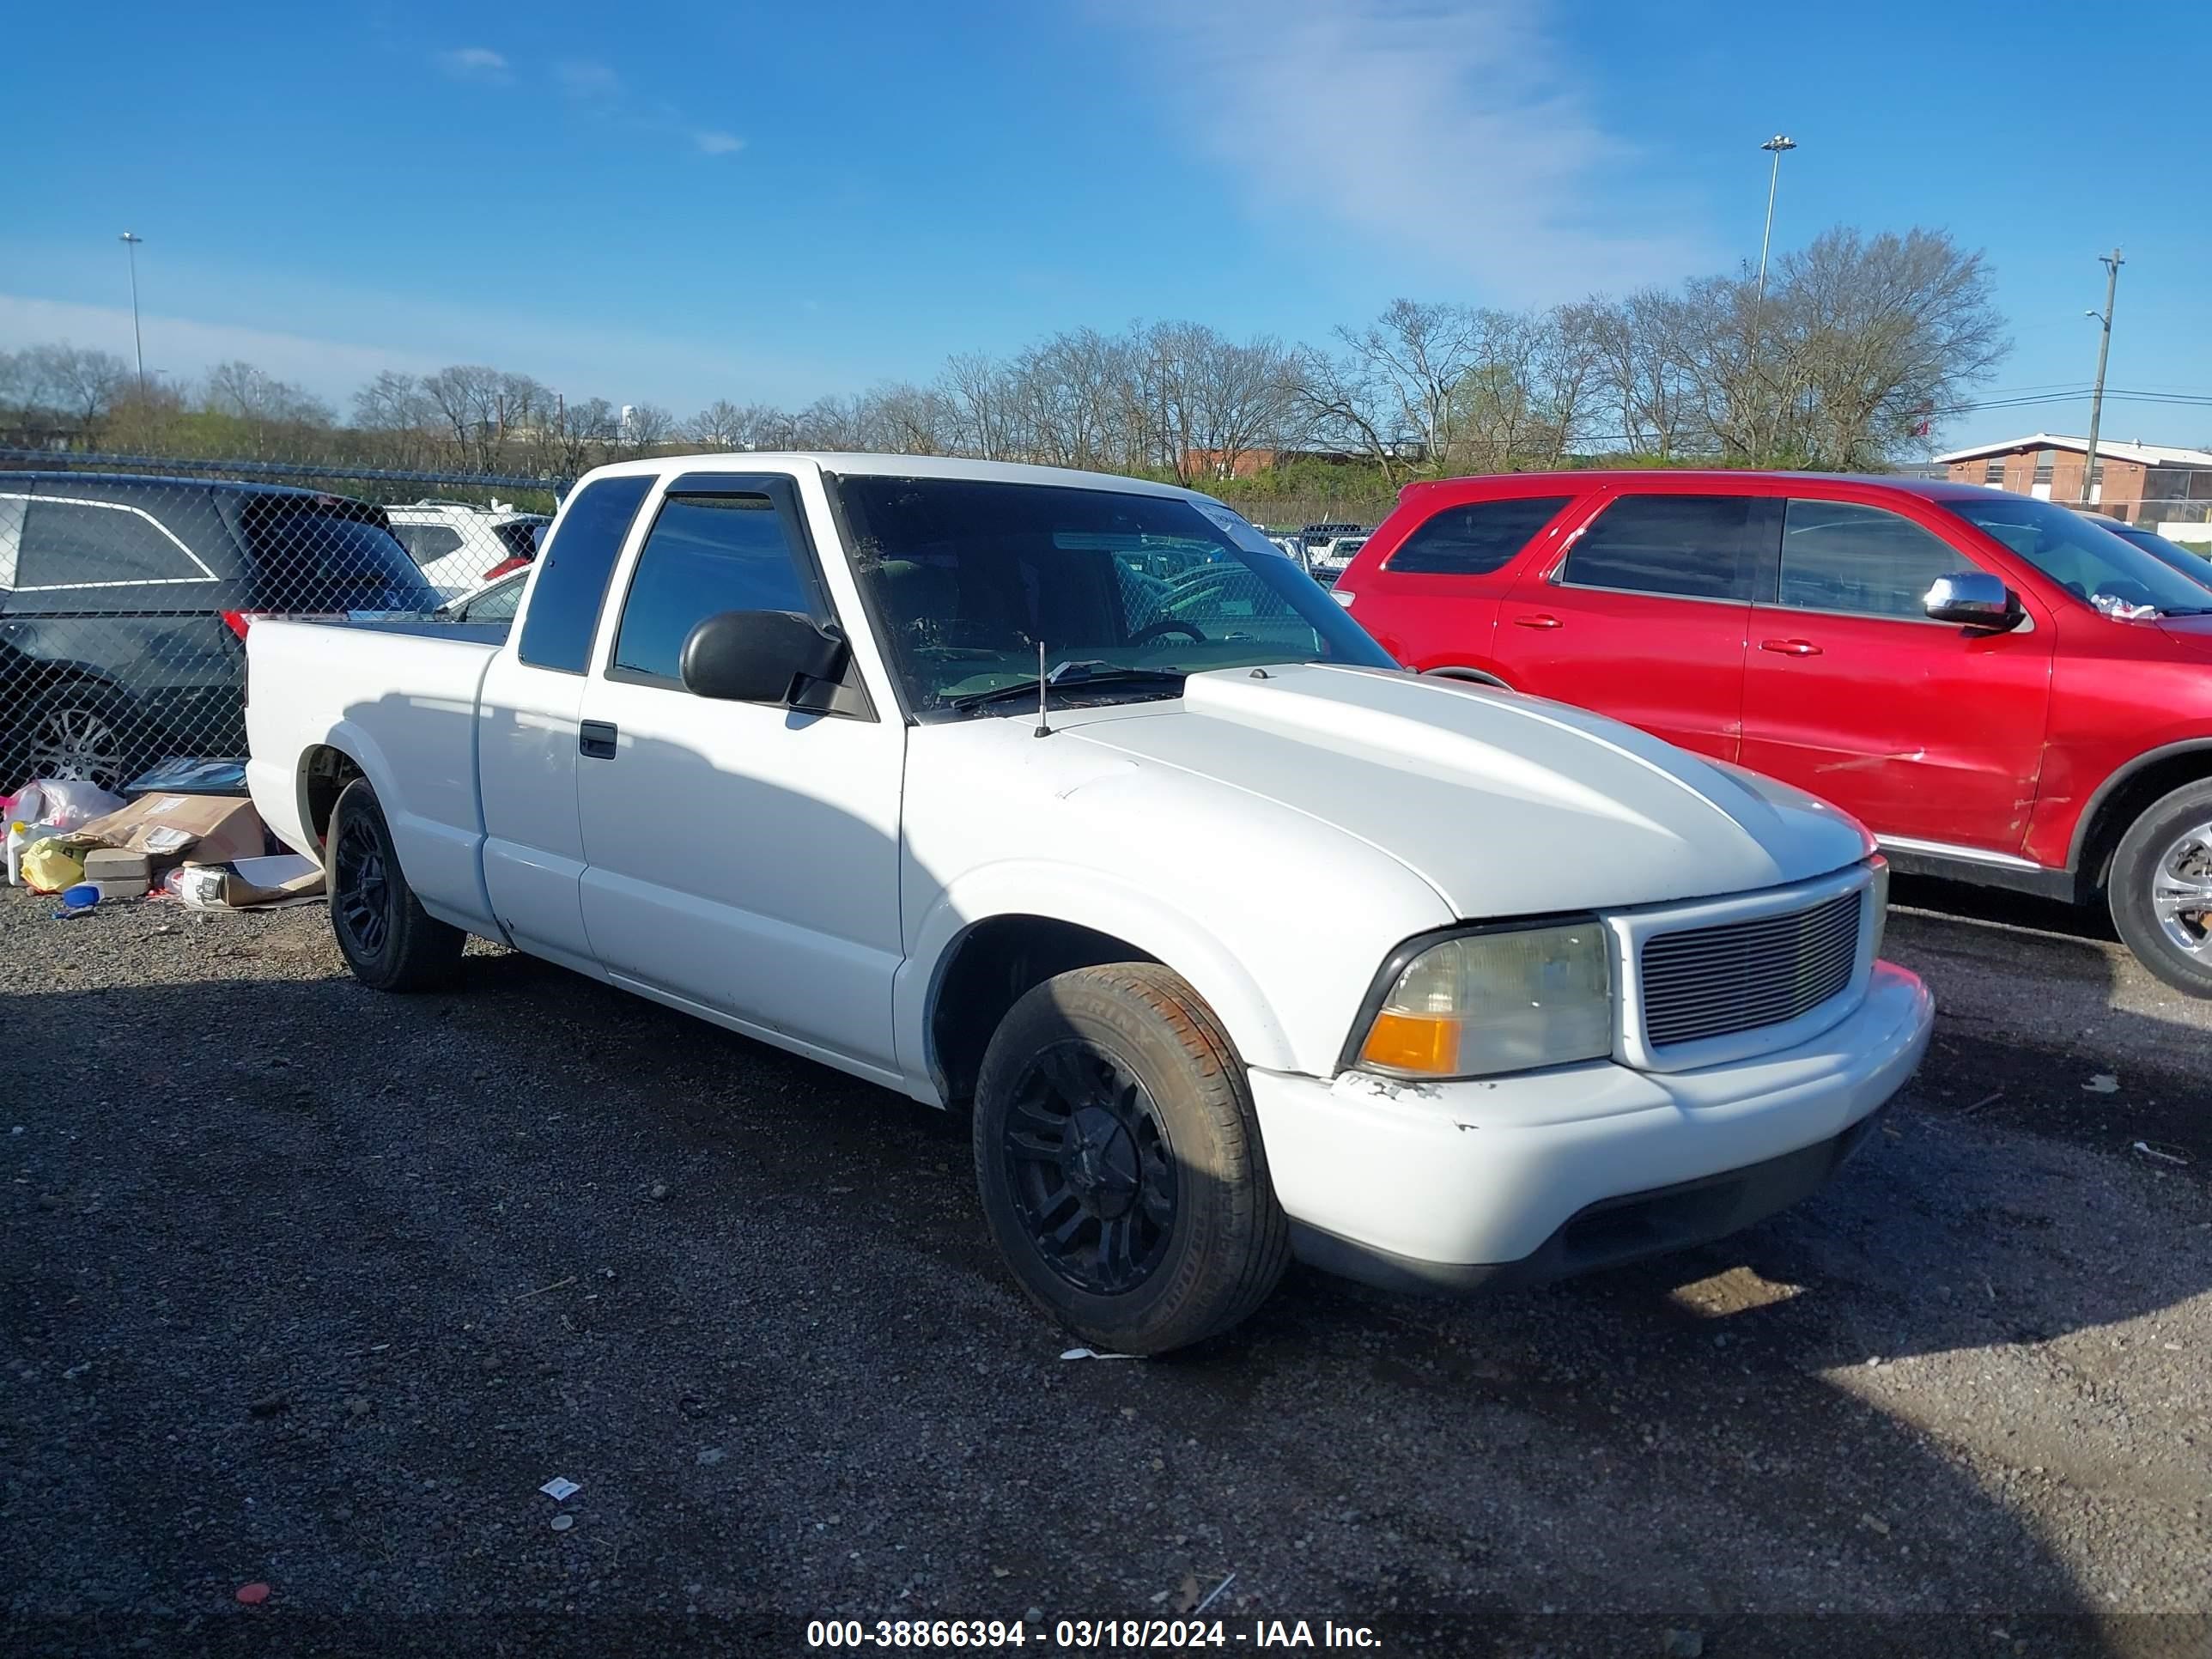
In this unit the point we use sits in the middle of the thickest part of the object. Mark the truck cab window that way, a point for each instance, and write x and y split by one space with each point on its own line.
705 555
564 611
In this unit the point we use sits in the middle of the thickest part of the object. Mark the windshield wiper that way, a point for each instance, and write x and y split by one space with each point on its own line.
1069 676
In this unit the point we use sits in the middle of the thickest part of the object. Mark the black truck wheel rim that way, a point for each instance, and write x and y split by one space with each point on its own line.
364 888
1092 1173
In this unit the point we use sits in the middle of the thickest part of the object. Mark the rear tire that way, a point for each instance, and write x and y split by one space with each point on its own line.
2161 890
1120 1161
387 938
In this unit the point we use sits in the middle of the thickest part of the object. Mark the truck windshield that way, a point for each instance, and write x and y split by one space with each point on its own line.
2087 560
969 578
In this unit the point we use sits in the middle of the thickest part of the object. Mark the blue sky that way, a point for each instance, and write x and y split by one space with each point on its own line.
673 203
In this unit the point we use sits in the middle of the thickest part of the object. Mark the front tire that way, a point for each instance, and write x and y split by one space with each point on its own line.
2162 889
1120 1161
386 937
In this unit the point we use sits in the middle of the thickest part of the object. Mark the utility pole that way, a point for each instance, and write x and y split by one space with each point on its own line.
131 248
2112 264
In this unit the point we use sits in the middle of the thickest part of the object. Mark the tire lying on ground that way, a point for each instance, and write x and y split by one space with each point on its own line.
1120 1161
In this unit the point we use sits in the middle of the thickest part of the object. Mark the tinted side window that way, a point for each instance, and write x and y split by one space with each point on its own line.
1838 555
429 541
69 544
1475 539
1693 547
706 554
564 608
496 604
328 554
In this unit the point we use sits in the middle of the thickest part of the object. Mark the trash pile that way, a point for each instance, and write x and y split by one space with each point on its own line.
183 831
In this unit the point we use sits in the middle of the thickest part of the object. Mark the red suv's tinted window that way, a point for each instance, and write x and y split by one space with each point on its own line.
1476 537
1693 547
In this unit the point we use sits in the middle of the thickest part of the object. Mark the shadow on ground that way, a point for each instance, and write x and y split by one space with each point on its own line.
313 1287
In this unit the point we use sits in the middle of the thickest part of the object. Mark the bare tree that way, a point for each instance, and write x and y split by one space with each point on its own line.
646 428
720 425
274 412
397 423
1205 401
1890 332
579 436
466 398
981 395
1078 399
77 382
911 419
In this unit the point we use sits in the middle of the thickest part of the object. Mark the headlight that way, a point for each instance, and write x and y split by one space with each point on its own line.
1879 865
1503 1001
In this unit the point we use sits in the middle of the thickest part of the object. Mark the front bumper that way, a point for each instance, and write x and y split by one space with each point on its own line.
1555 1172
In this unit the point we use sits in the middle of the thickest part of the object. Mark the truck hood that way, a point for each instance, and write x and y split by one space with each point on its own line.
1505 805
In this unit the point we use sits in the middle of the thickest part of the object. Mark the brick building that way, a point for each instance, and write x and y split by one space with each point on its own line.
2140 482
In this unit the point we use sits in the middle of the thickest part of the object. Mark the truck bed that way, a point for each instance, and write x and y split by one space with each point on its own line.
310 685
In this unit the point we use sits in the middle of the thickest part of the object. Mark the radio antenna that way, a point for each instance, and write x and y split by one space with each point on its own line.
1043 729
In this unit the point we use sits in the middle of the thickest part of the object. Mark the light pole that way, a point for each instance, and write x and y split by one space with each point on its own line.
1776 144
131 248
2112 264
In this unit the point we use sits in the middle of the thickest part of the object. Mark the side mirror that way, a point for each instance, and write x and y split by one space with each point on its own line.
758 656
1973 598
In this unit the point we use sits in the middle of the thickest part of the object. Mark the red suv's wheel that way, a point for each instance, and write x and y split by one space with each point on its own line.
2162 889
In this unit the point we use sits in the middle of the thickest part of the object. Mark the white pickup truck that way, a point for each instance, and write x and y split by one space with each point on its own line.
1240 942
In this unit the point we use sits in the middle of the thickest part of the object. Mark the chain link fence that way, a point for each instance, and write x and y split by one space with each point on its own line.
128 585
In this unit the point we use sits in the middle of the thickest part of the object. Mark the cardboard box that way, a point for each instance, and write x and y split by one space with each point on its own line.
251 883
210 829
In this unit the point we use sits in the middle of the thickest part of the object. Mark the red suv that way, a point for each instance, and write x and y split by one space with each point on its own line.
2003 691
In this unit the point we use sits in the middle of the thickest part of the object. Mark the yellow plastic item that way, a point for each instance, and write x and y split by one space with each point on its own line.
48 867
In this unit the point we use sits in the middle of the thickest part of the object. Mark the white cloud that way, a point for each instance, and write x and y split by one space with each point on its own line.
582 360
1443 133
581 77
181 348
713 142
476 64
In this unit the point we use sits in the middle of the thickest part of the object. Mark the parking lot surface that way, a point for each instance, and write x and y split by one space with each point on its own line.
308 1287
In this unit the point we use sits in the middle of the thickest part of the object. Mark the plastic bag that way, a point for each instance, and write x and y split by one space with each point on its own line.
64 802
48 866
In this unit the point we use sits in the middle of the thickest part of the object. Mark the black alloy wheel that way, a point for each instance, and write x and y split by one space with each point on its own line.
1090 1167
362 892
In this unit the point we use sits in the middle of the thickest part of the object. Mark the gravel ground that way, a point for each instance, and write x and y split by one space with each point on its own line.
311 1287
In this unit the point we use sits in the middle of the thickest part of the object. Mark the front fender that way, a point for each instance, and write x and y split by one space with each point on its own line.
1088 899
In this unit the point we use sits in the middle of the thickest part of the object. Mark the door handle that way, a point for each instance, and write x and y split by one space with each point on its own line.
1790 647
1536 619
595 739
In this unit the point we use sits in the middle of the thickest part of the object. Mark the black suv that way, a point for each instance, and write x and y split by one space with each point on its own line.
124 602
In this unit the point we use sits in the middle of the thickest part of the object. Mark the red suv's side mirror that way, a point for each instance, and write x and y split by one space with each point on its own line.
1974 598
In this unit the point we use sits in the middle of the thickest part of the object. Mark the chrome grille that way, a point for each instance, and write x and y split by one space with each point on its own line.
1713 982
